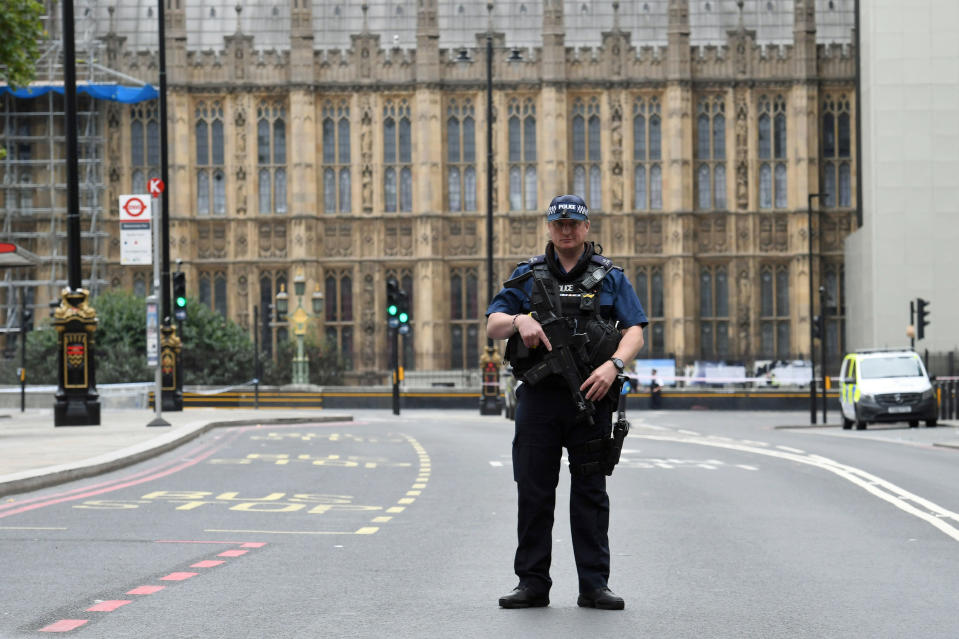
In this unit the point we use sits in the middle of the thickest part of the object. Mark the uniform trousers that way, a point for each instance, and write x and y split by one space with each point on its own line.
545 423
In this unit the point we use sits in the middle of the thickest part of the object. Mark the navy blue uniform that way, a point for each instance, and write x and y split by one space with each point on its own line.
545 423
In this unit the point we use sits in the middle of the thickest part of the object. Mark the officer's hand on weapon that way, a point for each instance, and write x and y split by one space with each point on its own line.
531 332
599 381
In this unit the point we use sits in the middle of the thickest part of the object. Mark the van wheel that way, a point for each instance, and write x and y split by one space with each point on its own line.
846 423
913 423
931 423
860 424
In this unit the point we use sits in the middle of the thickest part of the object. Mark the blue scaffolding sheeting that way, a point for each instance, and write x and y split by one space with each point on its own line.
114 92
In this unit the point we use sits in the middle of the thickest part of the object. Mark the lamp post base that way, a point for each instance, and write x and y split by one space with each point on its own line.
76 410
490 406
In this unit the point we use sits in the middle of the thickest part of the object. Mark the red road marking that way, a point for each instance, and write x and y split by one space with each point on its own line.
145 590
127 484
232 553
179 576
64 625
108 606
207 563
253 544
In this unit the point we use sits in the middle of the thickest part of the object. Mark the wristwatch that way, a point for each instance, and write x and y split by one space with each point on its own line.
618 363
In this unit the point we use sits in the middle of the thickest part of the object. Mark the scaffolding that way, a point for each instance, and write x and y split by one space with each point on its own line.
33 189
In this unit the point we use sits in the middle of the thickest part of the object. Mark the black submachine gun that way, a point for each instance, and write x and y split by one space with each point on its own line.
568 359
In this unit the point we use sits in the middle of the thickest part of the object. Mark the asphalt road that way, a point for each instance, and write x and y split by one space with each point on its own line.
723 525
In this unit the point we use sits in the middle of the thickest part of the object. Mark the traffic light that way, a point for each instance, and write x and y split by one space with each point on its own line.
817 327
392 302
922 317
404 308
179 296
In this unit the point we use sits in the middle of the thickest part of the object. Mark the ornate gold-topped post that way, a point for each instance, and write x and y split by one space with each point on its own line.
77 401
172 386
490 364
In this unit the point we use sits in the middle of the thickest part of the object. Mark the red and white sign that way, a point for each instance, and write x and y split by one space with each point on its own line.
155 186
136 240
135 208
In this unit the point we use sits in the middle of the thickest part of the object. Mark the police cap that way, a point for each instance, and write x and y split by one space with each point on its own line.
567 207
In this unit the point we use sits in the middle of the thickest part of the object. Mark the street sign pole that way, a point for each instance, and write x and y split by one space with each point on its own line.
158 377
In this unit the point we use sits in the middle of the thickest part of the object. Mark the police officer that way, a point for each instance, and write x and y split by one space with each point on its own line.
547 416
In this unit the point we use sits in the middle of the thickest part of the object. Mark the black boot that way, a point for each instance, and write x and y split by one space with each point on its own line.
523 597
602 598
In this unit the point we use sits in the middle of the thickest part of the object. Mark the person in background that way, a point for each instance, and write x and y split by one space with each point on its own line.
655 391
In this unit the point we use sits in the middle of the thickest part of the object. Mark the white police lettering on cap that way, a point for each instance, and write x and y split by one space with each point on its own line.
564 208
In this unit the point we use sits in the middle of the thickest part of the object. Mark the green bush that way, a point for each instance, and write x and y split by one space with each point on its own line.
215 351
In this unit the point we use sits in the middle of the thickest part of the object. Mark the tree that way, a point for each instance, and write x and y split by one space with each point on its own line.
216 351
20 33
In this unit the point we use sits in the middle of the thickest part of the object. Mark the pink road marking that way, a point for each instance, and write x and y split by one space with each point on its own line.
181 541
179 576
64 625
108 606
253 544
145 590
207 563
170 471
232 553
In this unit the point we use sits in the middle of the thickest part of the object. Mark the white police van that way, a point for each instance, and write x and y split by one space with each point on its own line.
886 386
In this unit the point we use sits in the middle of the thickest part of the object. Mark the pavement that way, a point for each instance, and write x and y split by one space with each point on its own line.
35 454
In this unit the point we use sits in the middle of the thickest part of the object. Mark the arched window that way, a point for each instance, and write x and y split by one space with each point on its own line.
773 170
713 313
336 157
461 154
211 176
144 145
774 322
837 152
397 156
711 153
338 305
464 314
522 154
587 151
649 288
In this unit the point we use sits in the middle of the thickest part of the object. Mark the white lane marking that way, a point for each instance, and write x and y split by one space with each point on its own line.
885 490
496 464
791 450
746 467
688 432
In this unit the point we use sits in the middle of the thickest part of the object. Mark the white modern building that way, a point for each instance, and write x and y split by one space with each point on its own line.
908 244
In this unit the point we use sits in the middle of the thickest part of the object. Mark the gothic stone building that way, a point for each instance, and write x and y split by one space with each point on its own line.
346 142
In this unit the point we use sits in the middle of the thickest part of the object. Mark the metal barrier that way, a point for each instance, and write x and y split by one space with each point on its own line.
947 392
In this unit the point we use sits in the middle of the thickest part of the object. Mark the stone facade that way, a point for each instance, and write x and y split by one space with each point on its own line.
727 245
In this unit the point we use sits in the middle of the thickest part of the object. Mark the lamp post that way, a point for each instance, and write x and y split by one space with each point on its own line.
812 350
301 367
822 346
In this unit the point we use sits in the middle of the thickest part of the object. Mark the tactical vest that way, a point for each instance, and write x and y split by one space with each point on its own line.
576 297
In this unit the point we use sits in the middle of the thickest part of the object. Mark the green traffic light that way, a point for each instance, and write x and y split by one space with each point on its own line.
391 309
404 318
181 302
